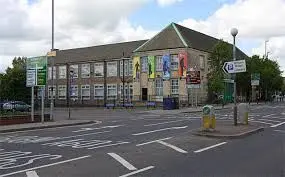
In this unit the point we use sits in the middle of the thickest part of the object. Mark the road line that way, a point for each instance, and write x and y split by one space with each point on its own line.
276 121
269 115
107 145
138 171
210 147
277 125
159 130
122 161
172 147
261 122
31 174
282 131
161 123
154 141
43 166
98 128
84 135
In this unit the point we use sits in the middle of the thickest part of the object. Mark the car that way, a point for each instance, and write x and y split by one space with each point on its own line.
16 106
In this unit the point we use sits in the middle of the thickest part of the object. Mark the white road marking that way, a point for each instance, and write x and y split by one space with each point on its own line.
210 147
269 115
138 171
159 130
282 118
172 147
31 174
122 161
260 122
89 129
115 144
282 131
43 166
277 125
154 141
161 123
276 121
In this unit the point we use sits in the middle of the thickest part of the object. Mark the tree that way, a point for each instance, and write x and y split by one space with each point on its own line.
221 53
13 82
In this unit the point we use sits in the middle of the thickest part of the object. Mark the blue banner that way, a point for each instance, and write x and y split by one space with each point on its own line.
166 66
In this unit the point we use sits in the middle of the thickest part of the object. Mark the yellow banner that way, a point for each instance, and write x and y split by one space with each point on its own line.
136 67
151 67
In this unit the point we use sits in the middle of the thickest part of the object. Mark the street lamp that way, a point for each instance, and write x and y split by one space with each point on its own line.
234 33
265 49
52 62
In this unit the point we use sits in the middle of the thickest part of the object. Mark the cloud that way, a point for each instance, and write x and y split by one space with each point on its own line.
257 20
164 3
25 27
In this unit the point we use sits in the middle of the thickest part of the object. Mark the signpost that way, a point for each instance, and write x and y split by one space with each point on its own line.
36 76
238 66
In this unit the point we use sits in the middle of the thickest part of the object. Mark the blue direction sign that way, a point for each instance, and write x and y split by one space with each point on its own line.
238 66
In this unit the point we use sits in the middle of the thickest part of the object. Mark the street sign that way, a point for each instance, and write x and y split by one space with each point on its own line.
254 82
51 54
36 71
238 66
255 77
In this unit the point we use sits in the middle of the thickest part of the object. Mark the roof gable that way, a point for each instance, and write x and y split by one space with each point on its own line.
168 38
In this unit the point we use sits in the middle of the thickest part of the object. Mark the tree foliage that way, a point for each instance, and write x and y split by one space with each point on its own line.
13 81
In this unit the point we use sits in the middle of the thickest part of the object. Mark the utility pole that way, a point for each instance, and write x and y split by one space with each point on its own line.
123 80
105 83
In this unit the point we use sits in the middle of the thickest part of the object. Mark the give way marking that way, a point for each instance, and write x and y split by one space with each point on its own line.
160 141
128 165
32 174
159 130
89 129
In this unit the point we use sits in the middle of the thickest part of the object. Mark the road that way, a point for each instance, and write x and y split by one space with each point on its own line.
134 144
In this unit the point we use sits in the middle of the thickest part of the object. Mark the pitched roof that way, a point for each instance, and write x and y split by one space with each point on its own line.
166 39
97 53
177 36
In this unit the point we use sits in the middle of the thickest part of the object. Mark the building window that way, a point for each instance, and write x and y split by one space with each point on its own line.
202 61
174 62
128 91
99 69
98 91
74 92
85 70
159 63
50 73
112 91
62 92
144 64
74 68
159 87
51 91
85 92
112 69
62 72
126 68
130 67
174 86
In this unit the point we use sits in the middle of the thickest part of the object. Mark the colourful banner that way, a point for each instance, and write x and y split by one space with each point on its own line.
136 67
182 69
151 67
166 66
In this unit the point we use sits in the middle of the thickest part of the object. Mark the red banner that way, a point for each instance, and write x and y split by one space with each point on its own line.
182 68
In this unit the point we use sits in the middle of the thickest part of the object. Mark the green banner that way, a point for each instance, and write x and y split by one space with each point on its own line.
151 67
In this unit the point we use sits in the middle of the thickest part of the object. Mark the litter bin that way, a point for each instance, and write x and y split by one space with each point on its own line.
176 103
168 103
243 110
208 118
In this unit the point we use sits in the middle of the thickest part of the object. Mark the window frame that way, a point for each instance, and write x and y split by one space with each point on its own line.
159 63
54 91
75 70
159 87
59 89
85 97
174 88
144 64
97 65
72 87
98 87
115 63
112 96
85 70
60 75
172 61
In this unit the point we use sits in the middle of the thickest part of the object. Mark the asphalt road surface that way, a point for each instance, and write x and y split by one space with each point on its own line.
133 144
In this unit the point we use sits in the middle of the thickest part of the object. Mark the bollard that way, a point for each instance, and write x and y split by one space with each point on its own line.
208 118
243 113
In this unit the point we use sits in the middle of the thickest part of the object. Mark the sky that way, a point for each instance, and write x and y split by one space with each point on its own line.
25 25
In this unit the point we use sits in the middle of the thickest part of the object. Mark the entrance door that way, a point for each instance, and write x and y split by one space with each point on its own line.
144 94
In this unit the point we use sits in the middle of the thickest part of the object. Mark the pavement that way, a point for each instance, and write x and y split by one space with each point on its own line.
129 143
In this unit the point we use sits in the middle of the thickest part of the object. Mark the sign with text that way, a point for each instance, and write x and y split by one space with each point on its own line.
255 77
36 71
193 77
238 66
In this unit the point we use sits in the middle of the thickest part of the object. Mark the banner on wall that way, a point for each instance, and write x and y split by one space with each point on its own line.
166 66
151 67
136 67
193 78
182 69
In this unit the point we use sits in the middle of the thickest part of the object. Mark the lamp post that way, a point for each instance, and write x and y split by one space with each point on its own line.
265 49
234 33
52 62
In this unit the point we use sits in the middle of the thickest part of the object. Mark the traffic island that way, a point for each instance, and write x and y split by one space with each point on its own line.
226 129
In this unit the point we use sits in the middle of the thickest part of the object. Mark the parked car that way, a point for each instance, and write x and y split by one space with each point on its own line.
16 106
